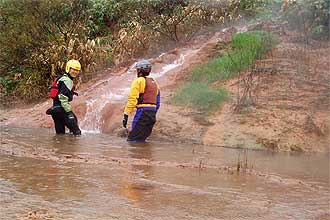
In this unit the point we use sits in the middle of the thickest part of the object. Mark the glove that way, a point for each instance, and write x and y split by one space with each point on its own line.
71 119
54 110
125 119
49 111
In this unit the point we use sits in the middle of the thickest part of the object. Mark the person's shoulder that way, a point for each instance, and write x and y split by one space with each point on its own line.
64 77
140 79
153 80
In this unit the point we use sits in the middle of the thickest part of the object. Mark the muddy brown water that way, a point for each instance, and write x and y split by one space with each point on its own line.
96 176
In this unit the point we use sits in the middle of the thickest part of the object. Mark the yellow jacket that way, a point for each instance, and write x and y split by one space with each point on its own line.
137 88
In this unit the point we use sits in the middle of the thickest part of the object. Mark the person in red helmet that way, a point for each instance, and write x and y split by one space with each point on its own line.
144 95
62 94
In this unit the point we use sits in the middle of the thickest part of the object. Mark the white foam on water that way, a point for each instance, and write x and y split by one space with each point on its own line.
168 67
92 121
83 131
242 29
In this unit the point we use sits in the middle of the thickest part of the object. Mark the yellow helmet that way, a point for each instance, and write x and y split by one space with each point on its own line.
72 64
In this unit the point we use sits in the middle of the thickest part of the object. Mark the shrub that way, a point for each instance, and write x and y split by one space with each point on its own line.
37 38
248 7
31 85
311 17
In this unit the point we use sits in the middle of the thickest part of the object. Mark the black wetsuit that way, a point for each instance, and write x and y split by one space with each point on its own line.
59 114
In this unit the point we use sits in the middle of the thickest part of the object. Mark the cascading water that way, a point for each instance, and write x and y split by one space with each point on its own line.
91 122
111 93
168 67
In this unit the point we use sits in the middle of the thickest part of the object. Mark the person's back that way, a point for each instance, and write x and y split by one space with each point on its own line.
65 85
145 97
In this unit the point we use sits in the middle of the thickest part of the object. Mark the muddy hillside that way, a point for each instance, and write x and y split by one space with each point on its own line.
290 89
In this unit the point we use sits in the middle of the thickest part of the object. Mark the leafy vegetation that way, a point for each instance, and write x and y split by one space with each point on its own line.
248 7
309 16
38 37
245 48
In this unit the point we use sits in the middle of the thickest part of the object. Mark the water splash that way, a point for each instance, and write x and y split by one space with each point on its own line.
169 67
92 121
242 29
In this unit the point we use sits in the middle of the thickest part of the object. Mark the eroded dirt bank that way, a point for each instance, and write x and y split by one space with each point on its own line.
291 100
290 91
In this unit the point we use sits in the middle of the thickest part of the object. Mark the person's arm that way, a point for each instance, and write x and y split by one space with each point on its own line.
158 100
134 93
137 87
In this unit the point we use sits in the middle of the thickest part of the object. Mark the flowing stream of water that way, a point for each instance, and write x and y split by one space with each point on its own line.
108 91
96 176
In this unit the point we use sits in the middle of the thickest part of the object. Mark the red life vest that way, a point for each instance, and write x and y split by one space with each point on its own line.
54 89
150 93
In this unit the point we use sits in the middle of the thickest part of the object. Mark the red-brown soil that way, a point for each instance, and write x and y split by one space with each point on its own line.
291 93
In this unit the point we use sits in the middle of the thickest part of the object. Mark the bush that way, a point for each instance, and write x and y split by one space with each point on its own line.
38 37
248 7
311 17
32 85
7 85
153 25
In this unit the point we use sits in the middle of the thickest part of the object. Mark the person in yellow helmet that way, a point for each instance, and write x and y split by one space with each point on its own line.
62 94
144 95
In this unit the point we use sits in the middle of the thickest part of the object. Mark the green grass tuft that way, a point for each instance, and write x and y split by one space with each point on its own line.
200 96
246 47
